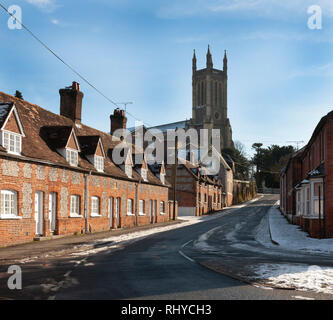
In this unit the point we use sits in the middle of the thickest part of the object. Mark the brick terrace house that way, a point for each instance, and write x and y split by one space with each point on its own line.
196 193
57 176
307 183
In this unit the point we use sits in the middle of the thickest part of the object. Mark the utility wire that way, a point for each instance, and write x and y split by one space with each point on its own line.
64 62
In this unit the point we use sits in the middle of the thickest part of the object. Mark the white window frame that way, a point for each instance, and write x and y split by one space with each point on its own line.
162 178
142 208
95 206
298 203
128 170
72 157
162 212
12 137
9 196
302 202
130 205
99 163
75 206
314 198
144 174
307 199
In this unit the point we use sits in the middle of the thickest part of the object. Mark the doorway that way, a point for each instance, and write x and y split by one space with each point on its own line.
52 210
39 212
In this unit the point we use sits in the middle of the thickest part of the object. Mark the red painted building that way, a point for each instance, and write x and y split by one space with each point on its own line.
307 183
57 175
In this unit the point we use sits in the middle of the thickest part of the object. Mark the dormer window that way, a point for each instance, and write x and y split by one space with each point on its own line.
72 157
92 148
12 142
162 173
162 178
67 144
128 170
11 130
99 163
144 174
127 167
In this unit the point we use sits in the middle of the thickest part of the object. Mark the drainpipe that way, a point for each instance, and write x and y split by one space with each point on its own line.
324 205
137 202
86 211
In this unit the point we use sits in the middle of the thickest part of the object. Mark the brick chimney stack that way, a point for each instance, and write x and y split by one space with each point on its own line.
71 102
118 120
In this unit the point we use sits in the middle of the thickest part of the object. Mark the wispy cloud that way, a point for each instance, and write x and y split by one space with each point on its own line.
265 8
55 21
325 70
45 5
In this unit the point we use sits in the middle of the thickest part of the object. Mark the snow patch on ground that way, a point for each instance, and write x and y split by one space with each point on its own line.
118 242
202 244
290 237
295 276
231 235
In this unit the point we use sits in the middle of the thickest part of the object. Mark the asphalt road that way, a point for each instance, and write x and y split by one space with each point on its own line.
163 266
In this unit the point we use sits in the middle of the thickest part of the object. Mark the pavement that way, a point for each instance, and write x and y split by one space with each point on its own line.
291 237
179 263
65 245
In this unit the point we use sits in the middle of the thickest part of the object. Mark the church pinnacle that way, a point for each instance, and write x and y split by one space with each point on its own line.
194 61
225 62
209 62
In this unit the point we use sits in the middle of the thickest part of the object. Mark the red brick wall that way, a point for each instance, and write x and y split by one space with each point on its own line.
320 149
328 142
27 178
188 190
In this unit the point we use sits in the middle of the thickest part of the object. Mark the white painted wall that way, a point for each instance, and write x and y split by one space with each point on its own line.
186 211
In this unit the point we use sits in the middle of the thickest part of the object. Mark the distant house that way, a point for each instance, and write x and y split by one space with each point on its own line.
307 183
196 192
57 175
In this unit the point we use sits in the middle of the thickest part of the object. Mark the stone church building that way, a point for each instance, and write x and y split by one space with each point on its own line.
210 99
210 111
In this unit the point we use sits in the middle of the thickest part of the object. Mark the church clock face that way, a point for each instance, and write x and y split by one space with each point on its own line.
217 115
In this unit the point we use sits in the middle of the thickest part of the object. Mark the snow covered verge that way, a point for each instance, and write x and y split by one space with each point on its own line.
290 236
300 277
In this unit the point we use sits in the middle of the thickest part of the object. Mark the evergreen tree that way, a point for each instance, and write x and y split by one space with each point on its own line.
18 94
269 162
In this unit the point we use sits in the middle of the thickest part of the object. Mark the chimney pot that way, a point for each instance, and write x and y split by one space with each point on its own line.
118 120
71 102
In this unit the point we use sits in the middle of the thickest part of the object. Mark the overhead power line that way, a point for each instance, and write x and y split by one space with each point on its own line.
64 62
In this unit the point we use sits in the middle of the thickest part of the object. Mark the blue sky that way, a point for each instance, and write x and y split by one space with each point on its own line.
280 71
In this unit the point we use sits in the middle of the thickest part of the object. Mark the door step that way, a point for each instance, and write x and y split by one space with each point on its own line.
53 237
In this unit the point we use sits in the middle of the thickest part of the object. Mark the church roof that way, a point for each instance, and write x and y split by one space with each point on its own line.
172 125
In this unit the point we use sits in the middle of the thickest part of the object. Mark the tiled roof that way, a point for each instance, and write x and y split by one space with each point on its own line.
40 142
56 136
88 144
4 111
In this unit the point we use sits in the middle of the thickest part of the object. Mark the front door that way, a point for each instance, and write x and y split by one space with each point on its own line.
118 212
155 211
52 210
39 212
151 211
110 212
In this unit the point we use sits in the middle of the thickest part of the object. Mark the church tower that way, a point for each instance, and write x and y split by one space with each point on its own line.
210 103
